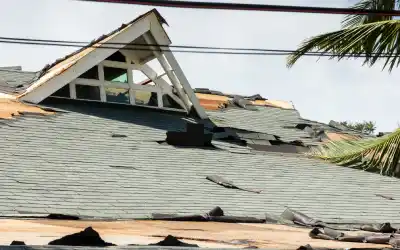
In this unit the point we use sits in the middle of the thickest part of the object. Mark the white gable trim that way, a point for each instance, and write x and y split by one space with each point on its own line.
40 90
172 67
150 28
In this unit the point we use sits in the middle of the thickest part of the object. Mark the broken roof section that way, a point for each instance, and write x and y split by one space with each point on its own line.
216 100
98 67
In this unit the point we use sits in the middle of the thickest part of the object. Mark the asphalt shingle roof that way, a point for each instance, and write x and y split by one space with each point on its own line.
269 120
70 163
11 78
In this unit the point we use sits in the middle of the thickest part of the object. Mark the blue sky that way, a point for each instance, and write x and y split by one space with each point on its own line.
321 90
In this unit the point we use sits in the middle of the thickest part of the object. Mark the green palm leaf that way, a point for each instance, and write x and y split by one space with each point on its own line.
382 5
374 40
377 154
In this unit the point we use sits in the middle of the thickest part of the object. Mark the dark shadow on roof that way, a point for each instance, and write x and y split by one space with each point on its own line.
154 118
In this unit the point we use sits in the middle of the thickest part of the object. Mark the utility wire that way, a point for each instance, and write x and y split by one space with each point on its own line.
252 7
82 43
197 49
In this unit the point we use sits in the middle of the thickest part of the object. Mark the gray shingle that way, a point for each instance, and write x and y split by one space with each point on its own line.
73 165
11 77
267 120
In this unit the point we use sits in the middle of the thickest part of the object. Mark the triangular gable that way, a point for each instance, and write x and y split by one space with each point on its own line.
145 29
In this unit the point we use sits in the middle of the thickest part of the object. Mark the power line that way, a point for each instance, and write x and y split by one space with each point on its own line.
251 7
194 49
147 49
82 43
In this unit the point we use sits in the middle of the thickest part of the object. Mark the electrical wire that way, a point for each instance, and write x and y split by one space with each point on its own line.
147 45
194 49
251 7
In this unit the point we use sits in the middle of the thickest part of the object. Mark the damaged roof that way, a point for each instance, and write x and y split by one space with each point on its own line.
104 161
77 159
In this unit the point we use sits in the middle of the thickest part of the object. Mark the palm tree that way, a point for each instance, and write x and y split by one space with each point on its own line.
375 37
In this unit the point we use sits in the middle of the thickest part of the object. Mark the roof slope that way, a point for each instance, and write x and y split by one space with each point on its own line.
13 80
70 163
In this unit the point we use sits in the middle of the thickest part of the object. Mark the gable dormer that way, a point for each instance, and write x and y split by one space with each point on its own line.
132 65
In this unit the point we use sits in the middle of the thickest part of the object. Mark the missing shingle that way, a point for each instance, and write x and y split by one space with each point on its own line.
118 136
302 125
62 217
194 136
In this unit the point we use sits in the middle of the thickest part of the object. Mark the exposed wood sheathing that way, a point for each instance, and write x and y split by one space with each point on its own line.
210 235
11 108
215 102
274 103
332 136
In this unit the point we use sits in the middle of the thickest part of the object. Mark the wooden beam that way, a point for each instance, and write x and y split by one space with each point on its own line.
152 75
167 70
120 85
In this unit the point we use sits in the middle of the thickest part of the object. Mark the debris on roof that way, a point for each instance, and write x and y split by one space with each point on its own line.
17 243
215 215
228 184
173 242
12 108
87 237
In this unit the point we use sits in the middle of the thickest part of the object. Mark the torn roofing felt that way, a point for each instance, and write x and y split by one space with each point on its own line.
68 160
215 215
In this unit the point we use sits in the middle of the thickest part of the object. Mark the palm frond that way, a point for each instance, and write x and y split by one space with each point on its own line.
378 154
379 40
382 5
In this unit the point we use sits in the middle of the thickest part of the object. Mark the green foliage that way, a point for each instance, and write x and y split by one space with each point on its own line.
380 154
367 127
375 37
